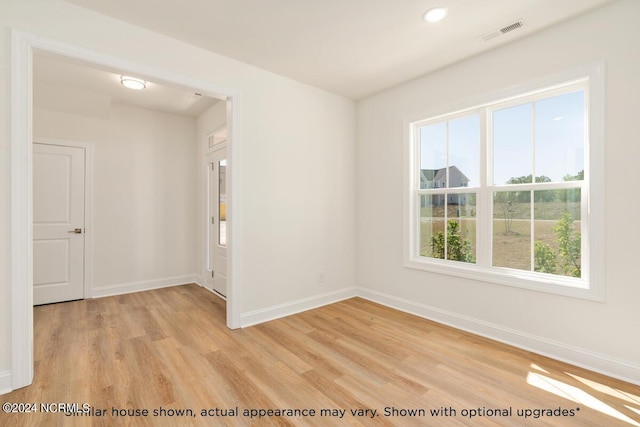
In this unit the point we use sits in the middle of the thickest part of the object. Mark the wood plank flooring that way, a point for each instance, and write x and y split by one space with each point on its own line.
169 350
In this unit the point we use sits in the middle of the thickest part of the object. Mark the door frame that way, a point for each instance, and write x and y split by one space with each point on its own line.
22 46
208 252
88 204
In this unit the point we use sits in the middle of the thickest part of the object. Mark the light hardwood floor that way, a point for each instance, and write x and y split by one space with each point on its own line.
170 349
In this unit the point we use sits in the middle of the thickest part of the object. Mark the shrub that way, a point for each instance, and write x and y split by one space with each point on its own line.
544 258
569 242
459 249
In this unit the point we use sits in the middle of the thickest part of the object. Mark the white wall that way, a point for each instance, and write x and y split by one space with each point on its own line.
144 194
602 335
296 189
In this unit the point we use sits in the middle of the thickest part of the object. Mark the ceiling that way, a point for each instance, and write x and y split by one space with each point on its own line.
64 80
354 48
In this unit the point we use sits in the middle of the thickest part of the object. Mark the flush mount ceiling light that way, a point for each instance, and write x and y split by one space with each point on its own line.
133 83
436 14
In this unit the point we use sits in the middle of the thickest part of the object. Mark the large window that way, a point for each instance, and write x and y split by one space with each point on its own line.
502 192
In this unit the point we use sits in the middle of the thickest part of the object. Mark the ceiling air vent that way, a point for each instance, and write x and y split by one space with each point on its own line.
507 28
511 27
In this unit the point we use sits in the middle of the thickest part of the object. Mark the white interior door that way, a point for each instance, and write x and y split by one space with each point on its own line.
58 223
217 260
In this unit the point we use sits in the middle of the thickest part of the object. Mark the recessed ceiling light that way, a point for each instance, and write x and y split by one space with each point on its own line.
436 14
132 82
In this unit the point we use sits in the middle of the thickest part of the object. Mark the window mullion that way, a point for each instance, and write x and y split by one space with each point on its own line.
416 196
532 191
446 197
484 211
532 223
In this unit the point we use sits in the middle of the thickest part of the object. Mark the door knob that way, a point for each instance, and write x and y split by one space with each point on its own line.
76 231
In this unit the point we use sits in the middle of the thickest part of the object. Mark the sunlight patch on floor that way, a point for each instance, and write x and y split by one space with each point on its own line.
576 395
631 398
534 366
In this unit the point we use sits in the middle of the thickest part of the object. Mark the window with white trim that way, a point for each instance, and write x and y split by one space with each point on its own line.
501 192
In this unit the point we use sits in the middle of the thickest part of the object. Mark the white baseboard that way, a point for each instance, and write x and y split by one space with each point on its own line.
5 382
198 280
282 310
147 285
606 365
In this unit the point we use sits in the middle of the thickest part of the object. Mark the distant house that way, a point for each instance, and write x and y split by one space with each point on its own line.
437 178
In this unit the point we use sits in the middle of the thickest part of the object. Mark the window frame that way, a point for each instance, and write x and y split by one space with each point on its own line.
590 286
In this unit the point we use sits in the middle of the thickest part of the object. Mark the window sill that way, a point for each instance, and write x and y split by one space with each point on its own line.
553 284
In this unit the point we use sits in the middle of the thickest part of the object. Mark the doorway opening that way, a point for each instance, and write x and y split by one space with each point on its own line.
24 47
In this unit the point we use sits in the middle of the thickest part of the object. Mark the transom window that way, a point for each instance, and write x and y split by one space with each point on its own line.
501 192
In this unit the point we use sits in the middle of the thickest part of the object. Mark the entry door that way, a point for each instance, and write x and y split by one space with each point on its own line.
58 223
217 165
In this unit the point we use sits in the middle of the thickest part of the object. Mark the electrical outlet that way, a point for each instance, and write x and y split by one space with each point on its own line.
322 276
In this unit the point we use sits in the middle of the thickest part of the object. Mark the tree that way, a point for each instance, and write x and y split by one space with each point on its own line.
507 214
577 177
459 249
519 196
525 196
571 194
544 195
